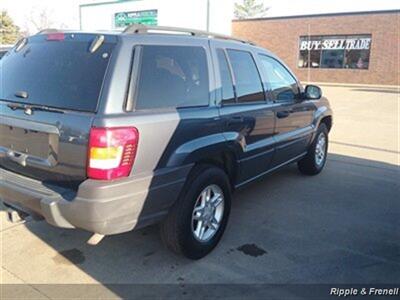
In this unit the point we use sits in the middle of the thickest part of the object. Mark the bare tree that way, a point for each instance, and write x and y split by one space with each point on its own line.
250 9
39 19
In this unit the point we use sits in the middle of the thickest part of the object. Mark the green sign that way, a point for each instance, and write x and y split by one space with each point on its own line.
147 17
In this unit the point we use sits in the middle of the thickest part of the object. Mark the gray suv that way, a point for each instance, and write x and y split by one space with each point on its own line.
110 132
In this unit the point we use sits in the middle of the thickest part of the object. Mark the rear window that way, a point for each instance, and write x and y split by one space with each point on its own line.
57 72
173 76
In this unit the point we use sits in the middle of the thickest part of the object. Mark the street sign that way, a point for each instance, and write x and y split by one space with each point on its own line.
147 17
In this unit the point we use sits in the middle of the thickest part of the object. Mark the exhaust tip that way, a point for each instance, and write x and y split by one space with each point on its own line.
95 239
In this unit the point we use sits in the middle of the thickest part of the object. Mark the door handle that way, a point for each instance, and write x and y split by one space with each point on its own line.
283 114
235 120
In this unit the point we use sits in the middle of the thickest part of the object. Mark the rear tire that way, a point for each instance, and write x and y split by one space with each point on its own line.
179 230
314 161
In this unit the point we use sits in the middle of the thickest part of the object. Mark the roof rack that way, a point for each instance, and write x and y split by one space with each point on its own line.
140 28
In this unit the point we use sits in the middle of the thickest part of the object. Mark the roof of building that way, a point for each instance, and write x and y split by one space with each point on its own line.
335 14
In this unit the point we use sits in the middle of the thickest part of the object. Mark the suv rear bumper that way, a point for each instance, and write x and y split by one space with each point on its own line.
105 207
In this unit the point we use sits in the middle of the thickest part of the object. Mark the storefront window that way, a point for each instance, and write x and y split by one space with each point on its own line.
356 59
332 59
309 59
335 52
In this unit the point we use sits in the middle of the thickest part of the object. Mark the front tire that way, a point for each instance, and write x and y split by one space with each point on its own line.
314 161
198 219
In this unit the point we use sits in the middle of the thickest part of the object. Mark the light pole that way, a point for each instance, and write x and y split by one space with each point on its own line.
208 16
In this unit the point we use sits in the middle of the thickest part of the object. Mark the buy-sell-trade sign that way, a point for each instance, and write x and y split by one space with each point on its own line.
336 44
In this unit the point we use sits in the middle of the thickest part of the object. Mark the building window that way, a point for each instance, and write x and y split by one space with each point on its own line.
335 52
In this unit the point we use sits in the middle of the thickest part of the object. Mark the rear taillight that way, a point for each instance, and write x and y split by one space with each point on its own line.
111 152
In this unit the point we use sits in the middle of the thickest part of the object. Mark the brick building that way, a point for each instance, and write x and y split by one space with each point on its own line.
359 47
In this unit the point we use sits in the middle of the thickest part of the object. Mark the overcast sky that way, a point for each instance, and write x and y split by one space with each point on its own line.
65 13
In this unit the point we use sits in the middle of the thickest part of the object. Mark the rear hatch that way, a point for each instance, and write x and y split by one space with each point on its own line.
50 86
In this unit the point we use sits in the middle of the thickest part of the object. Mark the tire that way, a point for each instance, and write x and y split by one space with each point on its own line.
178 229
312 164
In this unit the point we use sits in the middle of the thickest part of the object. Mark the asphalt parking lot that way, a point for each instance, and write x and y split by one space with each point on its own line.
342 226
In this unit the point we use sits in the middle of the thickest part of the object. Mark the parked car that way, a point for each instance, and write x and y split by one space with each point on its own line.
4 49
111 132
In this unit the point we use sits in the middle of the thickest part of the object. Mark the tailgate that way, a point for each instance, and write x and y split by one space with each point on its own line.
48 146
50 86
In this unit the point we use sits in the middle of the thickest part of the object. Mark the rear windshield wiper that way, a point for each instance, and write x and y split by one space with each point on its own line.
31 108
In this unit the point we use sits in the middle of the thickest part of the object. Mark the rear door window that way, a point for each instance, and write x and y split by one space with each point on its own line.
57 71
228 93
172 77
247 79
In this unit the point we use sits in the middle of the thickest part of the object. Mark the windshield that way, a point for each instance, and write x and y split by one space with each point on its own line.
56 70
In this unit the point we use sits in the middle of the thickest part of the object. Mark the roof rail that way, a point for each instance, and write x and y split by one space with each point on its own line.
48 30
140 28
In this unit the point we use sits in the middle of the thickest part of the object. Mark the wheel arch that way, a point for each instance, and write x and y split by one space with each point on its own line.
225 160
214 150
323 114
327 120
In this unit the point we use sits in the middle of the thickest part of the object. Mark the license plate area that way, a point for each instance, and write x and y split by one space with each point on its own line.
25 141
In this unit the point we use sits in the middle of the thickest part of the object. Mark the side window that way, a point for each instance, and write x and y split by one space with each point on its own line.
247 79
283 85
228 94
172 76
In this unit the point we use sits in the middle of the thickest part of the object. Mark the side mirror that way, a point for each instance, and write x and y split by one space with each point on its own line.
312 92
